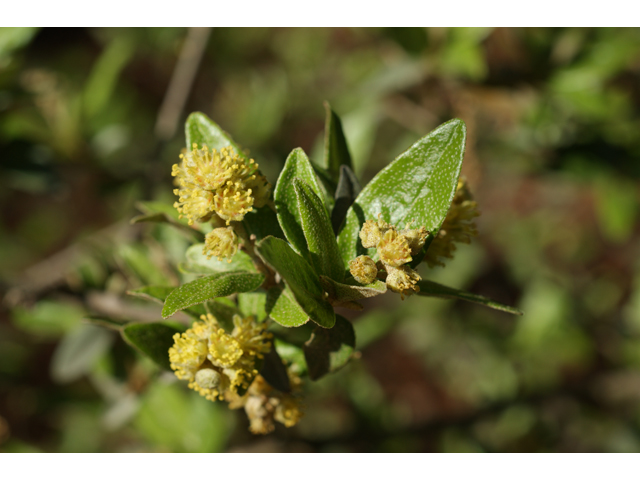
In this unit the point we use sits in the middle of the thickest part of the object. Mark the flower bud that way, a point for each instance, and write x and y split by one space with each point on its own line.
403 280
415 238
207 378
370 234
220 243
363 269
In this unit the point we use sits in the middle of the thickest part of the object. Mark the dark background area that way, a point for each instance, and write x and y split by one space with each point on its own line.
553 159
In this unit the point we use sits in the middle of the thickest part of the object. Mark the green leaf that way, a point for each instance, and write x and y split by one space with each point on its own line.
282 307
152 339
207 288
316 226
136 260
201 130
336 152
417 186
262 222
174 419
199 264
296 166
341 294
433 289
274 371
253 303
329 349
346 193
159 294
293 355
299 277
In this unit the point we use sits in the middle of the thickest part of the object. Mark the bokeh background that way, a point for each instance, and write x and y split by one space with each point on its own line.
87 129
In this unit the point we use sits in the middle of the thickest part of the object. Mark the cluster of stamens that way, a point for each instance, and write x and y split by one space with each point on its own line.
395 249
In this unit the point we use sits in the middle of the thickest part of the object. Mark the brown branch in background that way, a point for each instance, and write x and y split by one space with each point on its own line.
52 272
181 81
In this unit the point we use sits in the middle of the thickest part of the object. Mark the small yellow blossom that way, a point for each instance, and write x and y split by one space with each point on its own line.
363 269
415 238
394 249
219 182
458 226
220 243
372 231
215 362
264 404
403 280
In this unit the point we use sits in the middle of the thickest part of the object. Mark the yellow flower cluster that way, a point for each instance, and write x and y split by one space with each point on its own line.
264 404
220 182
215 362
458 226
395 249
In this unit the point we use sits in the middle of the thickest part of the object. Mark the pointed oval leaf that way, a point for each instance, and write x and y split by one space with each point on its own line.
321 241
299 276
282 307
152 339
417 186
201 130
336 151
207 288
329 350
159 294
296 166
433 289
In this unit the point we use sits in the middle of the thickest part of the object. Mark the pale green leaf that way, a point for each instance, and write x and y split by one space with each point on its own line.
418 186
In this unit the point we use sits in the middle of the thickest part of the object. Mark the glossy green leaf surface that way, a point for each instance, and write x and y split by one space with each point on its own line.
321 241
418 186
433 289
152 339
329 350
202 130
207 288
282 307
296 166
299 277
336 151
198 263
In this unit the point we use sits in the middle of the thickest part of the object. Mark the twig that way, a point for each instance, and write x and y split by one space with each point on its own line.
181 81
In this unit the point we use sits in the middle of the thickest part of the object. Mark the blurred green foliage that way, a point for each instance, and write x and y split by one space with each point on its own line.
553 157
